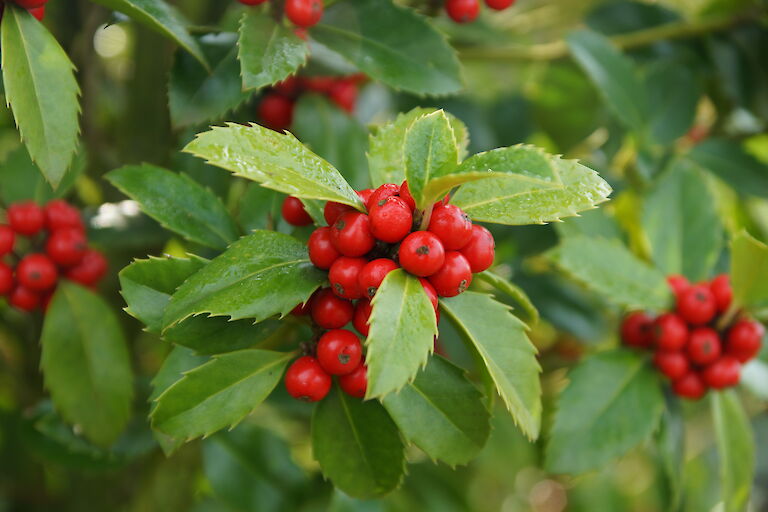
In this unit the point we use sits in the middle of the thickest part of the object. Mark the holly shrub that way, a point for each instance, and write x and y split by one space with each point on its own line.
262 255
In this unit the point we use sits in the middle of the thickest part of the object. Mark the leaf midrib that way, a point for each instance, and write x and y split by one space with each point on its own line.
443 414
358 441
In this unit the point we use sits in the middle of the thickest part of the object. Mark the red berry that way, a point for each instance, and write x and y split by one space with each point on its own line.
252 2
678 283
405 195
322 253
451 225
697 305
37 272
373 274
344 94
704 346
356 383
391 220
672 364
7 240
294 212
351 234
690 386
365 194
637 330
321 84
480 250
744 340
454 277
670 332
276 112
362 314
26 218
723 373
45 299
332 211
6 279
24 299
421 253
329 311
289 87
721 289
60 215
90 270
66 247
301 33
38 12
431 293
462 11
306 380
344 277
499 5
380 194
304 13
339 351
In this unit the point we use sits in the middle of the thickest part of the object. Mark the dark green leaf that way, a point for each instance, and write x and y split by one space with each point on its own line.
673 94
736 450
595 222
512 290
670 444
217 334
728 160
749 272
21 179
259 208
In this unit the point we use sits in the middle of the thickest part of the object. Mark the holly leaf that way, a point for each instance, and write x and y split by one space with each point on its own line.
160 17
21 179
730 162
277 161
513 291
673 94
670 443
259 276
178 203
218 394
610 269
736 450
749 271
357 445
391 44
681 221
268 51
499 341
41 89
85 362
217 334
402 333
442 413
613 403
536 187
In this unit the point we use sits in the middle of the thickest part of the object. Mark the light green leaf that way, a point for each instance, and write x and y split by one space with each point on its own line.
218 394
21 179
610 269
499 340
749 271
730 162
85 363
259 276
357 445
392 44
512 290
268 51
613 403
41 89
736 450
402 333
178 203
442 413
277 161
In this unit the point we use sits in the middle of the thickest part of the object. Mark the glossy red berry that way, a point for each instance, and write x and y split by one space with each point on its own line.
321 84
462 11
356 383
351 234
38 12
690 386
306 380
90 270
30 4
24 299
499 5
6 279
339 351
722 291
672 364
373 274
637 329
363 310
26 218
7 240
294 212
344 94
289 87
66 247
723 373
322 253
678 284
697 305
333 211
344 277
431 292
670 332
252 2
276 112
744 340
304 13
480 250
329 311
704 346
421 254
365 195
405 195
451 225
61 215
381 194
37 272
391 219
454 277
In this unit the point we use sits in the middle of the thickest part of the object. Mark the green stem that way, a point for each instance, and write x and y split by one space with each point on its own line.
426 218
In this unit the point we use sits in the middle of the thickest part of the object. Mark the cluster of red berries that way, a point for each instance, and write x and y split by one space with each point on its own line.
29 281
276 107
465 11
691 346
302 13
35 7
359 250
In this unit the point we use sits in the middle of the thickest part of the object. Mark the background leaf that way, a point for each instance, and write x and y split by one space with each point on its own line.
512 290
749 271
728 160
216 334
673 94
21 179
736 450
